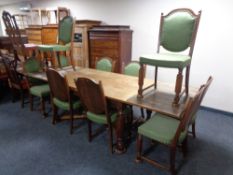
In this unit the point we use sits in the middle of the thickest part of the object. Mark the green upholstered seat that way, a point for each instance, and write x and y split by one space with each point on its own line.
132 69
161 128
100 118
104 64
54 47
32 65
65 104
40 90
166 60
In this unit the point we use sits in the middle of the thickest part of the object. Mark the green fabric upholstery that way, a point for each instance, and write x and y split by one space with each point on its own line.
64 61
132 69
32 65
100 118
65 104
104 64
65 29
167 60
54 47
40 90
177 31
161 128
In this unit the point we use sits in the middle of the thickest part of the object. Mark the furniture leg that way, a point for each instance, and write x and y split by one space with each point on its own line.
71 121
139 148
89 130
140 81
194 130
120 146
156 76
54 113
187 80
43 106
172 159
110 139
179 79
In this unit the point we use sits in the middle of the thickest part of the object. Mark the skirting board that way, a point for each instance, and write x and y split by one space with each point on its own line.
217 111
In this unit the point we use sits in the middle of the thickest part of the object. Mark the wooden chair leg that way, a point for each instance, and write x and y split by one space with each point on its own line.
54 113
148 114
142 113
156 76
110 139
43 106
187 80
194 130
139 148
179 79
71 121
172 160
22 98
89 130
31 101
185 147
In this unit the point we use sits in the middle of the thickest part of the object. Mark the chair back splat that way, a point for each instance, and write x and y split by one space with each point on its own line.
13 32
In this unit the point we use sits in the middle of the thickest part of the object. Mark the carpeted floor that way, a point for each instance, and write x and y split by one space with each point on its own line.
31 145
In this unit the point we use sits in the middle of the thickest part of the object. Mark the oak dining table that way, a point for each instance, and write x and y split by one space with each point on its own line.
122 90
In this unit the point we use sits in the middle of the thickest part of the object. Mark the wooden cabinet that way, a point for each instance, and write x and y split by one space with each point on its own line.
80 46
38 34
110 41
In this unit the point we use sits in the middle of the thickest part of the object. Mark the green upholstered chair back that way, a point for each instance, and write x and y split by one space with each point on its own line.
178 30
132 68
92 95
58 85
192 107
65 30
32 65
105 64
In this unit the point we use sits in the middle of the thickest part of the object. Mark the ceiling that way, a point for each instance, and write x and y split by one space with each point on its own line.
6 2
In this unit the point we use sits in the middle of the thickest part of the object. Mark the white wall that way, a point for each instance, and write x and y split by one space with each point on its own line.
212 53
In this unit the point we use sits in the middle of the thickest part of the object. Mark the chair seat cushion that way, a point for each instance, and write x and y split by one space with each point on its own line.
65 104
55 47
101 118
40 90
161 128
167 60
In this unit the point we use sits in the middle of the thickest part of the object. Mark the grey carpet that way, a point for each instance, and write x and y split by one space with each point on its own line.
31 145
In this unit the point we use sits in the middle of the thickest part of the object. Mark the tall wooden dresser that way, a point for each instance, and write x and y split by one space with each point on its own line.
80 46
110 41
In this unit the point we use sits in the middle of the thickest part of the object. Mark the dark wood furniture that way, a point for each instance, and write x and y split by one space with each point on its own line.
175 132
110 41
62 97
16 82
94 100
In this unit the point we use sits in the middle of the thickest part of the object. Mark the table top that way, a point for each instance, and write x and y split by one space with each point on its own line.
123 88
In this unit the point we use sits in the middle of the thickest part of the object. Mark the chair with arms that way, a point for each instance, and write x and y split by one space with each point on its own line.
170 131
62 97
16 82
16 39
37 87
177 34
105 64
93 98
63 49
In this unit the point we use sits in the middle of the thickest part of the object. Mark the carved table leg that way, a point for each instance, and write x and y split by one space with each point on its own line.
120 124
179 79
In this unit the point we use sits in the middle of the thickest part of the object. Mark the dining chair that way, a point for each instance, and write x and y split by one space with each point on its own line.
15 37
16 82
62 51
169 131
132 69
62 98
177 35
97 109
37 88
105 64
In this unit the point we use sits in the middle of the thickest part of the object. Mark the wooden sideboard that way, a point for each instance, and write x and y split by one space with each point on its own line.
110 41
80 46
38 34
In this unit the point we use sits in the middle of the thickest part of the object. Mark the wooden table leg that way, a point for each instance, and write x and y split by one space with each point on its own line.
120 147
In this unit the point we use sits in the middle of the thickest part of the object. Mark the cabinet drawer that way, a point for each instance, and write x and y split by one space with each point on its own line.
105 52
104 44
